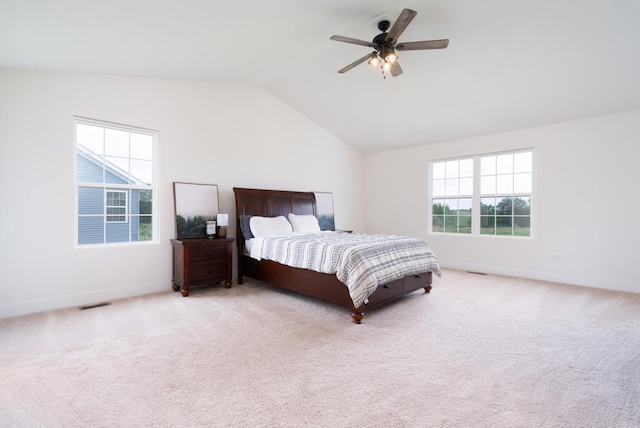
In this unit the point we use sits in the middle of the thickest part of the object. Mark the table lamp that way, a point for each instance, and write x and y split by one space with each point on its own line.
223 222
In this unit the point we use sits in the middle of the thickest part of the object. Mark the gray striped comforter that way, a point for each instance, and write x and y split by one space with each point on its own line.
362 262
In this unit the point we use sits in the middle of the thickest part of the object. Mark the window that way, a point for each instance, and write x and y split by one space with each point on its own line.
485 194
453 186
116 204
115 171
505 194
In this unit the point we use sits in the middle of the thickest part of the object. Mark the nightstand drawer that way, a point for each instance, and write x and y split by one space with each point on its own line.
207 271
208 252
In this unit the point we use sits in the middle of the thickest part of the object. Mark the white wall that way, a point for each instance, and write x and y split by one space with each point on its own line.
587 202
236 135
230 135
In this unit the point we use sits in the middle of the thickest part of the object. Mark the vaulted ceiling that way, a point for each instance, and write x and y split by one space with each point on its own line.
509 65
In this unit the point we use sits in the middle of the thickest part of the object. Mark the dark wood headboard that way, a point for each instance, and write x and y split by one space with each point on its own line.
269 203
272 203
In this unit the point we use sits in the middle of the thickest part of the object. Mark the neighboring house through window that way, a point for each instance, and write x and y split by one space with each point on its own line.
115 169
486 194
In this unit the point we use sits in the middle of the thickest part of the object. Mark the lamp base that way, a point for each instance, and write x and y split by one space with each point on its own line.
222 232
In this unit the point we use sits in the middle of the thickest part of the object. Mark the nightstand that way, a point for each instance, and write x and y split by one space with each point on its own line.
198 261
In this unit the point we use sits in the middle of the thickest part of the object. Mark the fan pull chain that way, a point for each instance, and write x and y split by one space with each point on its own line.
384 76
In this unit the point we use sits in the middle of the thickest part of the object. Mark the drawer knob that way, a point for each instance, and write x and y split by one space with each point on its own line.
386 286
209 271
210 252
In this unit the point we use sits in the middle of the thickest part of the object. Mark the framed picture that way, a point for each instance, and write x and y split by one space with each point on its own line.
324 210
195 204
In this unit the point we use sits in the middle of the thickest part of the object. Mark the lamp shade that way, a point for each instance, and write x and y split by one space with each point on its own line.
374 61
223 220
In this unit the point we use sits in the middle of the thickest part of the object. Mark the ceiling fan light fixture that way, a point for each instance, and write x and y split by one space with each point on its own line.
391 56
374 61
386 43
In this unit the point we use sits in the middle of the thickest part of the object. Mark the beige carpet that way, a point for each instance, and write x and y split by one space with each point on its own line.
479 351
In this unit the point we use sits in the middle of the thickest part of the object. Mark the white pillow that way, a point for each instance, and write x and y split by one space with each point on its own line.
304 223
268 226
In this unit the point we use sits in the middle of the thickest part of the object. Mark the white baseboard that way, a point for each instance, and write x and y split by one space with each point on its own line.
584 281
60 302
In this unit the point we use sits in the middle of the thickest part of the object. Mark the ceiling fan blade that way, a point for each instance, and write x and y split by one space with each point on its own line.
400 25
354 63
353 41
427 44
396 70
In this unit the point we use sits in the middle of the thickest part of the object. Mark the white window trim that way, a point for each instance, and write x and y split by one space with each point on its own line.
155 203
476 197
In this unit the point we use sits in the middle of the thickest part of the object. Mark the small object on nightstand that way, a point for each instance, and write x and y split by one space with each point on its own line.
211 229
223 222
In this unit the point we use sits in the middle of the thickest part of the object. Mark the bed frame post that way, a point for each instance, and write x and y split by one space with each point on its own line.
357 313
239 239
240 248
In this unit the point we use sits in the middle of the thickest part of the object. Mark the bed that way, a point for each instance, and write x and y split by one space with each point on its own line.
273 203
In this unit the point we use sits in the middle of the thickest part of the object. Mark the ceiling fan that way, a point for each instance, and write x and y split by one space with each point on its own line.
386 44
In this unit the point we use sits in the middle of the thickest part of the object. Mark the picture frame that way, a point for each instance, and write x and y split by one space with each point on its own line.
194 205
324 210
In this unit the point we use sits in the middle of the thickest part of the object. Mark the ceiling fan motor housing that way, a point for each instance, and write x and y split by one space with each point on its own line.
384 25
380 38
